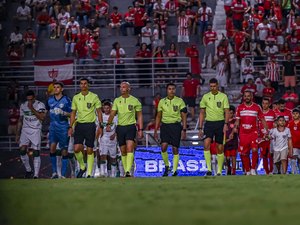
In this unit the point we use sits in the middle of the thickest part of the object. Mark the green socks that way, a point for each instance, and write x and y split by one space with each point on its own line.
124 162
79 157
220 158
90 164
165 157
129 161
175 162
207 157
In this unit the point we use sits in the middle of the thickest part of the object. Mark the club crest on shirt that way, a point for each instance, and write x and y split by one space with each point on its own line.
130 107
219 104
61 105
175 108
88 105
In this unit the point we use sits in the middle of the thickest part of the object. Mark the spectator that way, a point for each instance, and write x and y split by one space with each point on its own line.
289 72
81 51
12 91
115 21
190 91
63 18
221 72
30 41
102 11
292 40
209 40
83 11
118 53
128 20
262 31
272 72
13 118
172 54
183 24
155 102
158 9
143 61
172 8
249 87
203 17
95 49
43 22
239 38
159 64
53 28
291 99
74 26
70 42
62 4
192 17
158 36
271 50
195 69
139 21
260 83
238 8
23 13
146 34
14 54
16 39
268 91
94 28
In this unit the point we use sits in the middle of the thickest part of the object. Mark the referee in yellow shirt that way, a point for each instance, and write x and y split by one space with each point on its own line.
171 112
214 108
127 107
84 106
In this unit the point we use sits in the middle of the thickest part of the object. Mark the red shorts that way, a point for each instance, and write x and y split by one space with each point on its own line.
265 149
248 142
230 153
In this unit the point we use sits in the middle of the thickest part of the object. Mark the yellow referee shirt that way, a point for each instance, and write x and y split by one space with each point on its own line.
85 105
126 109
214 106
170 109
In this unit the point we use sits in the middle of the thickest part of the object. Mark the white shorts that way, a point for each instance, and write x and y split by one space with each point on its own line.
280 155
183 38
31 137
71 145
114 25
108 148
296 152
222 80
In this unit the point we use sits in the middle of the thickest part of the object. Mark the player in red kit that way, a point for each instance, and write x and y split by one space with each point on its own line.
283 111
231 144
294 126
264 143
247 115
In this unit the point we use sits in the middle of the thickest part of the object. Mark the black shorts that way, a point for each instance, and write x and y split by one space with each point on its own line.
137 30
85 134
190 101
125 133
214 130
171 133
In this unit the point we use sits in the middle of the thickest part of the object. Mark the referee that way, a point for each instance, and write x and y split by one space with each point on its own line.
127 107
170 113
214 107
84 105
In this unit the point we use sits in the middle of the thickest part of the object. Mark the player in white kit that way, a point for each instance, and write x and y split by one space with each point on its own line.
32 113
108 143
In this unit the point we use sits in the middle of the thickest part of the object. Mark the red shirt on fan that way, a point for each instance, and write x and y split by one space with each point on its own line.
248 116
295 132
229 27
269 93
116 18
190 87
102 8
138 17
238 6
29 37
13 116
210 37
251 88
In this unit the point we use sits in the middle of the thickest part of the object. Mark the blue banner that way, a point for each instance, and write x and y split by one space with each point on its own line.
149 163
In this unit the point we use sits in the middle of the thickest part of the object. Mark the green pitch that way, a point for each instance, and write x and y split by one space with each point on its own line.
136 201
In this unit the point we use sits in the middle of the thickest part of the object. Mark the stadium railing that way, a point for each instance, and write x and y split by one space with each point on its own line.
106 73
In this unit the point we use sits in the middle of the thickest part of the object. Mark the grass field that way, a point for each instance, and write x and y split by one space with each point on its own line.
141 201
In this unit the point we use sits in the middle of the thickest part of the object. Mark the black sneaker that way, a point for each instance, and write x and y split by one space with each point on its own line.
208 173
127 174
35 177
167 171
88 176
175 174
28 175
218 174
80 173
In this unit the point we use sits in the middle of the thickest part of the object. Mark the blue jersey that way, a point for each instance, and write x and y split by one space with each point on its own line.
58 109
